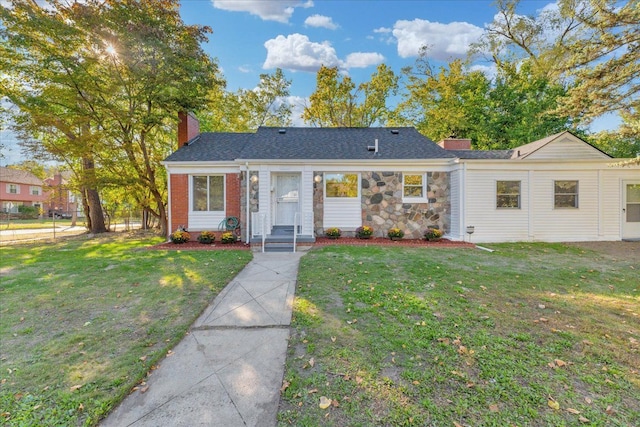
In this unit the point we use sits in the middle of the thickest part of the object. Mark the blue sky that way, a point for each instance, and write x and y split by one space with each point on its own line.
251 37
256 36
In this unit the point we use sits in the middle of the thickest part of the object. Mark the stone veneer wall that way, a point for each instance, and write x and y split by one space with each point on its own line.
382 206
318 205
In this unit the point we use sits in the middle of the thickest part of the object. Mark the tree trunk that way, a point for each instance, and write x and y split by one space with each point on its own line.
93 198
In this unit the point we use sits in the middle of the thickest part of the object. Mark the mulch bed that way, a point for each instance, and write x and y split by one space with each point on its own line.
320 242
381 241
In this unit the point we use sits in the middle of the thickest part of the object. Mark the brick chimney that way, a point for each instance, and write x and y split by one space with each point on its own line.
455 144
188 128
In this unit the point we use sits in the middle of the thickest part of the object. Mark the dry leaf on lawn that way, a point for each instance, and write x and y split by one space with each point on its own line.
324 402
553 404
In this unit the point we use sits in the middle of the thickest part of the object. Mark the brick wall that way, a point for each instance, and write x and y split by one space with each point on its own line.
179 201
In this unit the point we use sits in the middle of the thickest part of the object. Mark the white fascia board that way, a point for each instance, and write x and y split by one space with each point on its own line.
365 164
477 164
201 167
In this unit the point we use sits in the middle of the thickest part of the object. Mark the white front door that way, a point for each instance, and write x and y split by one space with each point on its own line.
631 210
286 197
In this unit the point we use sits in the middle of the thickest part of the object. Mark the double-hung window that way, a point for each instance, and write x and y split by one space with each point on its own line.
207 193
13 189
565 194
508 194
414 187
35 190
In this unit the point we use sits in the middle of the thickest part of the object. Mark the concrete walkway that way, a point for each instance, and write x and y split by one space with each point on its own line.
228 370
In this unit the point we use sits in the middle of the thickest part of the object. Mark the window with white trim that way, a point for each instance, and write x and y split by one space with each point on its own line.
508 194
207 193
34 190
414 187
13 189
565 194
341 185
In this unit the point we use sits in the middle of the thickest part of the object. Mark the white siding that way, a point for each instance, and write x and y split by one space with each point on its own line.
306 201
565 224
597 218
345 213
493 224
456 209
566 148
201 221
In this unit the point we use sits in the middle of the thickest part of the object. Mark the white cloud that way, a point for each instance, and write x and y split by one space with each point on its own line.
490 71
245 69
279 11
298 103
382 30
321 21
444 41
363 59
296 52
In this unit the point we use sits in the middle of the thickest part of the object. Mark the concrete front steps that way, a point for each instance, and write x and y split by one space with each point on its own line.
281 239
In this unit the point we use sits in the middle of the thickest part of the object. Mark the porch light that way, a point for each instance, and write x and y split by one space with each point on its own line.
254 178
318 178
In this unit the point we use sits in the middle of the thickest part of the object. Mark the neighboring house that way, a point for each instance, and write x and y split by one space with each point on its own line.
556 189
60 198
18 187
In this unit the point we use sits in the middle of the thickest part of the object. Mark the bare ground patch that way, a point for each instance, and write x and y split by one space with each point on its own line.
627 251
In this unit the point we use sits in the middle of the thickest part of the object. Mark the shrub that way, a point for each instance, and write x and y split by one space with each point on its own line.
432 234
364 232
395 233
206 237
333 232
228 237
180 236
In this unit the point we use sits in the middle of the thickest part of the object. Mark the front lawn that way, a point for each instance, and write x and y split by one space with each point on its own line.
530 335
82 321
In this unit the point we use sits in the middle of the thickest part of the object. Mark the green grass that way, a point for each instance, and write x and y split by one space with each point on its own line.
82 321
30 224
435 337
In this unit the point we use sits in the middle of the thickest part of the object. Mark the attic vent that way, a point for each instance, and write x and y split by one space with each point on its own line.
282 131
395 131
373 148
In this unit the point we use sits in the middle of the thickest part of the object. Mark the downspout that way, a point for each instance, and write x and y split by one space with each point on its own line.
463 201
168 202
246 201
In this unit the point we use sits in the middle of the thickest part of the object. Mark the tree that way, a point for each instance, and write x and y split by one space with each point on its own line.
246 110
603 58
337 103
515 108
444 102
101 83
588 46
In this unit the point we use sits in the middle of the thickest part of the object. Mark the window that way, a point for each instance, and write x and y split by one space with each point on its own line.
208 193
13 189
35 191
341 185
413 187
508 194
633 203
565 194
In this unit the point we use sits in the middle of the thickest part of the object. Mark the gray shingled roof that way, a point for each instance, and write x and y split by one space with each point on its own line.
297 143
482 154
